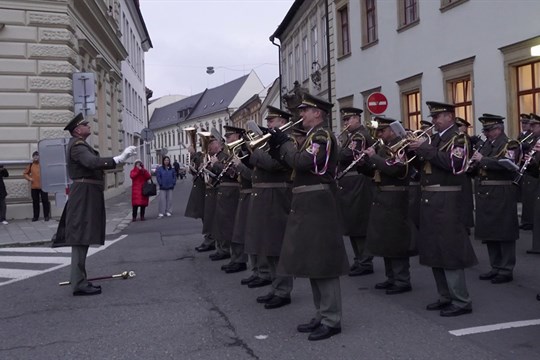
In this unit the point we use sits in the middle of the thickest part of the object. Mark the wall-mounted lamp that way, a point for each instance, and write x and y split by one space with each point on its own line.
535 50
210 70
2 26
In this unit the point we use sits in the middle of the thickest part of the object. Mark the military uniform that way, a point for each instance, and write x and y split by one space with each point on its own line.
268 212
443 242
528 183
355 193
227 194
195 204
313 244
83 219
496 201
389 229
238 255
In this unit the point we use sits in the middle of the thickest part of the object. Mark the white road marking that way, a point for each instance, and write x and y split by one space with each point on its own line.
19 274
35 259
494 327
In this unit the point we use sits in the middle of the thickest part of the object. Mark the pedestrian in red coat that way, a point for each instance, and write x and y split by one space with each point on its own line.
139 175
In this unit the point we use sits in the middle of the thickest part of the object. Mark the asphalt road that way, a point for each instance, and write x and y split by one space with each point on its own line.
181 305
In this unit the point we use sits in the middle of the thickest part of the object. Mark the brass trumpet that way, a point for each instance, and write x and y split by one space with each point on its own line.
416 135
261 142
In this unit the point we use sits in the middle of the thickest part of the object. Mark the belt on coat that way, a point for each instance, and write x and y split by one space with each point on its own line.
308 188
89 181
350 174
229 184
495 182
392 188
414 183
439 188
266 185
245 191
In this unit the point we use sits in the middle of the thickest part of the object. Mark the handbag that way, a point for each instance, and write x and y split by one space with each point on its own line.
149 188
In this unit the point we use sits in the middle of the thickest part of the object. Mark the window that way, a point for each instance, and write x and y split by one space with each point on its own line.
411 101
297 64
290 71
449 4
369 10
408 13
528 88
344 41
461 91
414 110
305 60
458 78
314 43
324 57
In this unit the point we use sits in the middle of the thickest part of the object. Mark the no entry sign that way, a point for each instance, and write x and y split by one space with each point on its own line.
377 103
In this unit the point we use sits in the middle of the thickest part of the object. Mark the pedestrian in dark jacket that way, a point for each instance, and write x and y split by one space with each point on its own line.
3 194
166 178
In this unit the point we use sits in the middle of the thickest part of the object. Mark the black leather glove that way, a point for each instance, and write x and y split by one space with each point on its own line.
278 138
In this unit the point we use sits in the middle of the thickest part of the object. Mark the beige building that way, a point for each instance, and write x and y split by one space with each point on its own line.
42 43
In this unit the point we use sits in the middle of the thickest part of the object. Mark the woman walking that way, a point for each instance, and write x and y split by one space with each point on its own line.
166 178
139 176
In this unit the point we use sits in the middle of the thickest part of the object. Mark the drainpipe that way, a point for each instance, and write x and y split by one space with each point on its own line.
279 66
328 57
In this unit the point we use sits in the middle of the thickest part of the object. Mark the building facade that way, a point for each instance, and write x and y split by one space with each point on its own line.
42 44
413 51
137 42
211 109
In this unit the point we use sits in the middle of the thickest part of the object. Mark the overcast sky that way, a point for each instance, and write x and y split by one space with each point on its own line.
230 35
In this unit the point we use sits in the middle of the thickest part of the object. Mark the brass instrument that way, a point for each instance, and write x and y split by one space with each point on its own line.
342 133
262 142
205 142
191 134
416 135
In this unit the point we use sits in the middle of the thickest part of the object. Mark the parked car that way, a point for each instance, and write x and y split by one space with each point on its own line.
153 169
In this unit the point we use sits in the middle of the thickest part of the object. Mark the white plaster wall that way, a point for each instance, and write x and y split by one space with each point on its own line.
475 28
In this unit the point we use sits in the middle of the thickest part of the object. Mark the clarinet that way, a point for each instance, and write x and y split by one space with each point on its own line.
355 161
521 171
471 161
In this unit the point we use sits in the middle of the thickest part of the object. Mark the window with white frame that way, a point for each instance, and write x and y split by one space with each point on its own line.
305 56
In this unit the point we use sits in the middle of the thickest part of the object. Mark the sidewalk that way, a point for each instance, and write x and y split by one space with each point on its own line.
26 232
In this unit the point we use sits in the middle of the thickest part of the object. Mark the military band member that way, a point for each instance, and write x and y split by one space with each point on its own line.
389 233
83 220
443 243
355 190
496 199
425 125
267 217
238 256
313 244
528 183
210 192
227 195
195 204
533 170
467 193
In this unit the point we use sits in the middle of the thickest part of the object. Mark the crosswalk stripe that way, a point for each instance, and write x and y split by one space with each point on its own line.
58 262
39 250
35 259
18 273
